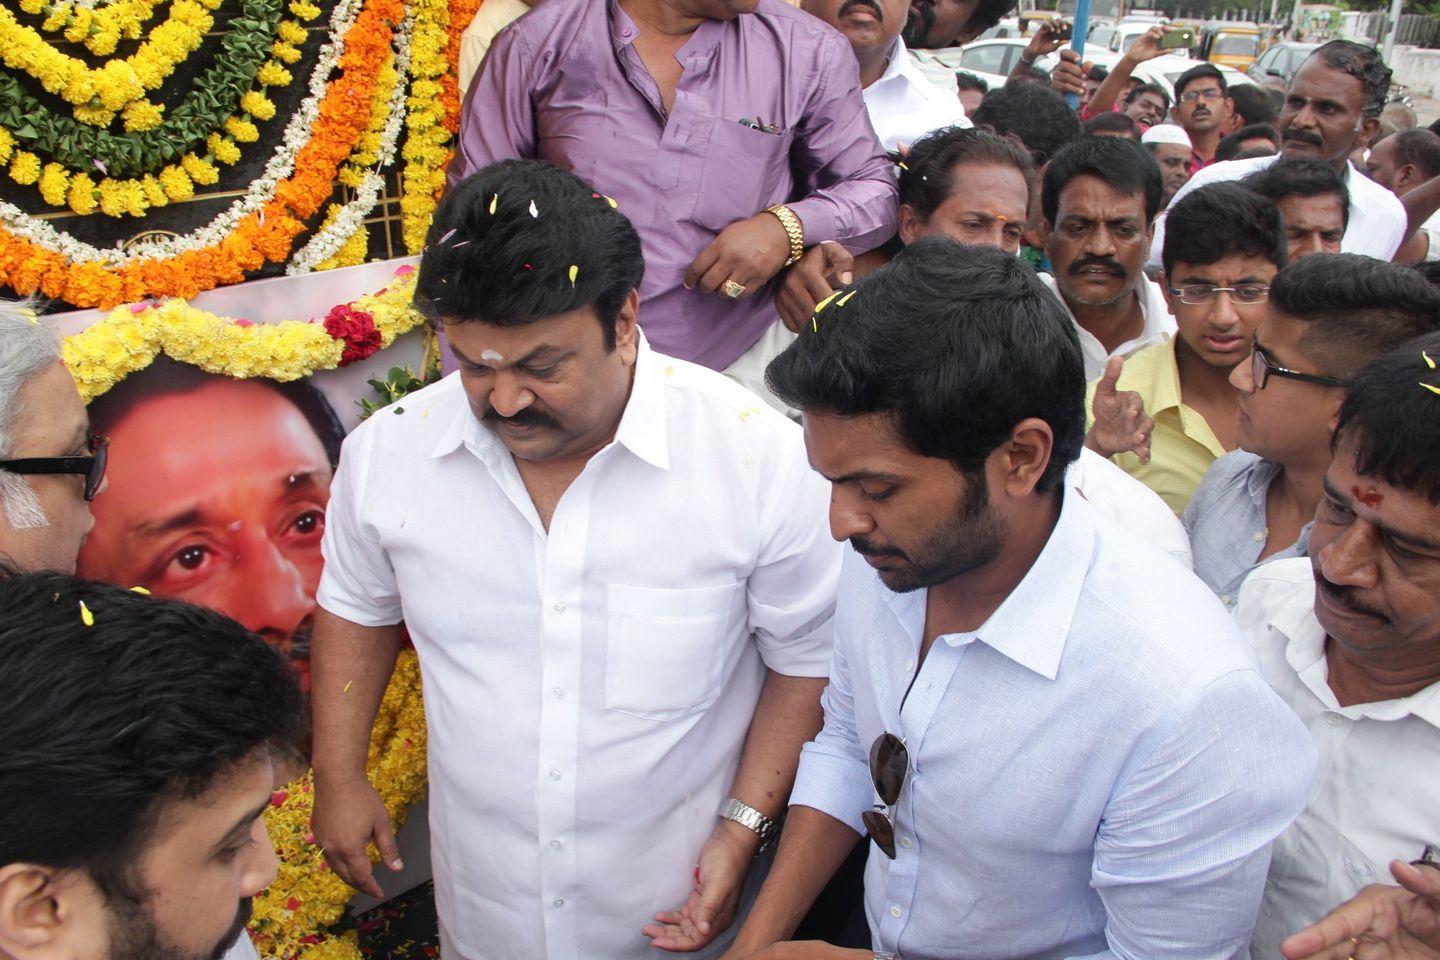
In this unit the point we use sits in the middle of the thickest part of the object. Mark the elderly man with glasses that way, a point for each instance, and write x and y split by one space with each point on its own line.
1330 314
51 467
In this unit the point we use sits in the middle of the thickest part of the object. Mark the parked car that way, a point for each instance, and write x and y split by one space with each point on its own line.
1281 61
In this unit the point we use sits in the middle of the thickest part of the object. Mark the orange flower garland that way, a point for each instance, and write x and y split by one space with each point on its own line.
267 235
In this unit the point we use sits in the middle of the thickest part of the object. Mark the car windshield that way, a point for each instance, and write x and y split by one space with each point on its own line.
1236 44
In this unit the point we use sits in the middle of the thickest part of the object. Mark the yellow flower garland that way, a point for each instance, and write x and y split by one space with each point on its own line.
427 141
99 28
290 918
130 338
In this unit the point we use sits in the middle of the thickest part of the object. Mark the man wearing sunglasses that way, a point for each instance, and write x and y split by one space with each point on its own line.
50 465
1168 411
1349 637
1055 735
1330 314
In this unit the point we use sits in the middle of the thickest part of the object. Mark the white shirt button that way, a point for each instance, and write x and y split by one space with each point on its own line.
559 608
556 844
895 912
558 902
559 693
905 842
1259 536
909 665
1335 719
1225 598
555 774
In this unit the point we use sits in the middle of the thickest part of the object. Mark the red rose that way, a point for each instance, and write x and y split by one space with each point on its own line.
356 328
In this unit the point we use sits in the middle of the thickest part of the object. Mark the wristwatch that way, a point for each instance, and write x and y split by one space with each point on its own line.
794 230
752 819
885 956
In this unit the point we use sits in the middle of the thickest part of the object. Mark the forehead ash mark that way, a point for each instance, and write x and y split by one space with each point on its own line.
492 356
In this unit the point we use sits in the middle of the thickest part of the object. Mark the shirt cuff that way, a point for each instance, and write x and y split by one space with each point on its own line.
816 219
835 785
363 615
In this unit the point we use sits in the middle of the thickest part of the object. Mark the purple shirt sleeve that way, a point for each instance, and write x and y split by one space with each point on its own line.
500 94
849 184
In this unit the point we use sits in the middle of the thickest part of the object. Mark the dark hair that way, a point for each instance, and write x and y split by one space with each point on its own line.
1362 62
1144 88
1390 416
1221 219
1229 146
1429 269
101 724
986 15
965 80
1123 164
1204 70
1301 177
1111 122
1355 308
1421 148
1034 114
956 344
1434 128
1097 73
1255 153
166 377
929 173
1252 103
513 266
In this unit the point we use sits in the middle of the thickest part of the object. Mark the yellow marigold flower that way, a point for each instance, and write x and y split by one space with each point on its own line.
95 116
242 130
292 33
32 7
273 75
223 150
54 183
59 16
304 9
154 193
143 115
351 176
25 168
103 43
7 145
120 83
79 27
201 172
82 194
176 183
283 52
257 105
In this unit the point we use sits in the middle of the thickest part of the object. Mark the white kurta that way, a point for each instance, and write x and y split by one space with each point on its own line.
588 689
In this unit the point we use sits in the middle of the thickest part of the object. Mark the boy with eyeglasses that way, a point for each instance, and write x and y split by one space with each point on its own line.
1203 108
1330 314
1166 413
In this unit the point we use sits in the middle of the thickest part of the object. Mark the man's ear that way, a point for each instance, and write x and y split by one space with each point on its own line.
1369 131
1026 456
627 331
1043 230
907 224
33 924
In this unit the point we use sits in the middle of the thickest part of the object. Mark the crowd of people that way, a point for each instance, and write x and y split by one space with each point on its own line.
865 521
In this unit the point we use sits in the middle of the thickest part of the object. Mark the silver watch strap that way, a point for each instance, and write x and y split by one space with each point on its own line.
747 816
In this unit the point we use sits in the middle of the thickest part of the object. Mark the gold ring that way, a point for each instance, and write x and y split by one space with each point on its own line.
732 289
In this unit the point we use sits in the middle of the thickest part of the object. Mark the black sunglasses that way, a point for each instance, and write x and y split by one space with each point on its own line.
1262 368
92 468
889 763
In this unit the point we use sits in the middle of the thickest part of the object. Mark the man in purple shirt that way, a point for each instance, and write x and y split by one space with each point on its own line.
732 133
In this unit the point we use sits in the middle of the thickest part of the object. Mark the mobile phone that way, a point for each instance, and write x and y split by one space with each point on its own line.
1061 29
1175 38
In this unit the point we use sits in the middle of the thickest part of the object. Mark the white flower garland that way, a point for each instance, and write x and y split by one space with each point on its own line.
260 192
328 241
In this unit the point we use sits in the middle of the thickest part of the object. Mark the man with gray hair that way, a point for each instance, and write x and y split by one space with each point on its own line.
50 466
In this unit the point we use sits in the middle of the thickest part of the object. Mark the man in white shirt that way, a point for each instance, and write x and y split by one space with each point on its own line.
903 104
1333 103
1099 197
492 17
1349 637
1071 751
610 563
1400 163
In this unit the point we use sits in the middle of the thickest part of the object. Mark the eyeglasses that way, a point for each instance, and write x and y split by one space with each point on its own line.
889 763
1262 368
1246 293
1190 96
92 468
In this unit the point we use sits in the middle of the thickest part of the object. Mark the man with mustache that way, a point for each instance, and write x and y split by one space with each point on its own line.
1333 104
1053 734
1099 198
903 105
1349 637
1204 109
137 745
932 24
613 564
1312 198
1329 315
1400 163
1168 411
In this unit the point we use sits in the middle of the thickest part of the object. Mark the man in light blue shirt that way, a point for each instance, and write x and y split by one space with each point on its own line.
1072 751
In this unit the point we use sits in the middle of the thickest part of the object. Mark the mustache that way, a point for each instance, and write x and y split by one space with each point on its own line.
529 417
1105 263
1346 597
1303 136
237 929
866 549
870 5
919 21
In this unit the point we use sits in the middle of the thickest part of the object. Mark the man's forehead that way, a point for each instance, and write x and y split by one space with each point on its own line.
1317 80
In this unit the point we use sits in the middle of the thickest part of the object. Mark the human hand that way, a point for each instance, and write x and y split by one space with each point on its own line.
1146 46
748 252
348 816
1121 423
724 864
1381 922
1068 76
1049 37
811 280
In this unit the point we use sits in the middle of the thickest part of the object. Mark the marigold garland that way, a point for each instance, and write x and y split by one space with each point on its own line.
433 115
99 28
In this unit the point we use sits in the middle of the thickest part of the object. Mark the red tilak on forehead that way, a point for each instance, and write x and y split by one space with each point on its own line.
1368 497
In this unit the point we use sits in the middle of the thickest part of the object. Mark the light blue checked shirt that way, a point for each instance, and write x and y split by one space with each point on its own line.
1227 524
1099 770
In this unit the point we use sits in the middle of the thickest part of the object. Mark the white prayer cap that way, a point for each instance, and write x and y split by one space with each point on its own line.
1166 133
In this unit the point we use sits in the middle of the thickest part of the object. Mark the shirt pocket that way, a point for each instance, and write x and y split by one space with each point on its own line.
666 648
743 169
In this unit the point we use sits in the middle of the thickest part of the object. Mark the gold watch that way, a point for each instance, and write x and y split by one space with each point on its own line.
793 230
